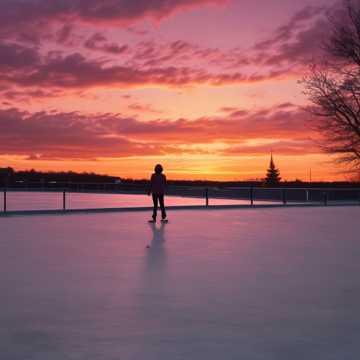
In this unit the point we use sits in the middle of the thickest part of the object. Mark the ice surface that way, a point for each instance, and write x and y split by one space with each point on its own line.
230 284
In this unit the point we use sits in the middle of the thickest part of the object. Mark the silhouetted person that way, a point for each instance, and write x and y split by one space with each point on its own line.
157 189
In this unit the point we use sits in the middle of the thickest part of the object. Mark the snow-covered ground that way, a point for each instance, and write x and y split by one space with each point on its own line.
231 284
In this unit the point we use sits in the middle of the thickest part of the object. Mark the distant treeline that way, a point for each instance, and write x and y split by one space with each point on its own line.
249 183
9 177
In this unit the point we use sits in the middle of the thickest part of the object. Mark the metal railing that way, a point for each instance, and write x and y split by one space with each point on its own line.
249 196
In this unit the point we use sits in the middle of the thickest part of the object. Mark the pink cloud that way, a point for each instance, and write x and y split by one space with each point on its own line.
100 43
17 57
64 136
64 34
28 94
77 71
143 108
287 31
92 11
300 40
73 135
175 63
289 147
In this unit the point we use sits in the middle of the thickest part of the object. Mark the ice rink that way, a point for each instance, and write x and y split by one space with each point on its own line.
274 284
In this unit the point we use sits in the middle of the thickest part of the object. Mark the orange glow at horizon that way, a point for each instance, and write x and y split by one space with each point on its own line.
196 168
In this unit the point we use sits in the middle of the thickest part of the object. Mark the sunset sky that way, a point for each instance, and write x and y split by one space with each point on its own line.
206 87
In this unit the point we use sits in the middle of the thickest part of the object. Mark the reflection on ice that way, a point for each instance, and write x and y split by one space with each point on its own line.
156 254
158 237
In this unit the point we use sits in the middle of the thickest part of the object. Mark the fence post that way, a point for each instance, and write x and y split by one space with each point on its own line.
5 200
284 196
207 197
325 198
64 200
252 195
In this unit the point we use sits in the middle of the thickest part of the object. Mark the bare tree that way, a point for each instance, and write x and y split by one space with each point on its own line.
333 87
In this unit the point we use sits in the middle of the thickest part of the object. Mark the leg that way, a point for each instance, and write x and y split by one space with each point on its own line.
162 206
155 201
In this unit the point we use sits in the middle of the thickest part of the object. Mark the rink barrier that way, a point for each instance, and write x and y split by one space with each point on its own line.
169 209
283 196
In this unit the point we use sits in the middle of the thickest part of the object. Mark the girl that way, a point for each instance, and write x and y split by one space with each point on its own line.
157 189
